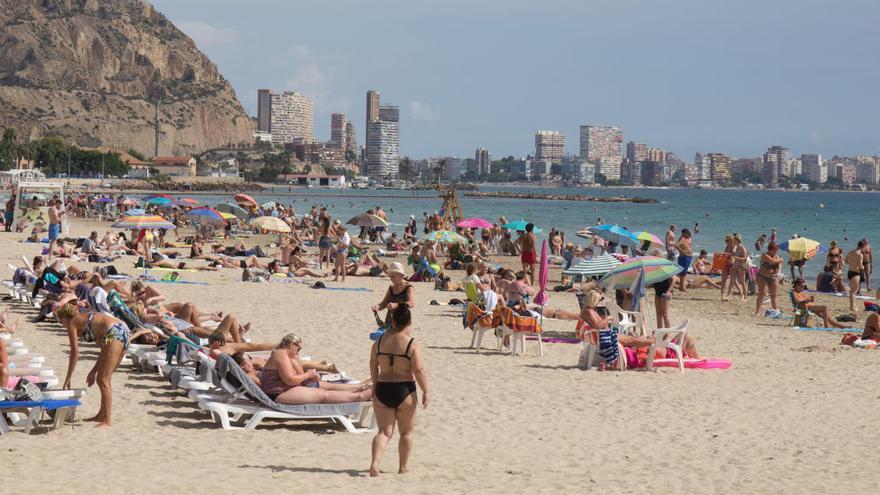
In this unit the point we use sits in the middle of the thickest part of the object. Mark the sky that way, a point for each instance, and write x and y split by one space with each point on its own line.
685 75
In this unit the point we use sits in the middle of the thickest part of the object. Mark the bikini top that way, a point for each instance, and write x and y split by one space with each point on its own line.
391 356
89 334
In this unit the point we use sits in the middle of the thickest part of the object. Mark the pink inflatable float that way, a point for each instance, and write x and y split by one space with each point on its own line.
702 364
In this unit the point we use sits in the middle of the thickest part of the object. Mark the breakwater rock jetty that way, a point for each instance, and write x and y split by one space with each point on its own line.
561 197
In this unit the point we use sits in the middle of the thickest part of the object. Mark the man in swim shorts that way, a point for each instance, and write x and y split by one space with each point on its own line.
9 213
56 212
855 260
526 243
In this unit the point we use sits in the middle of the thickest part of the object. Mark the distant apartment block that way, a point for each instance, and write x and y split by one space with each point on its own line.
351 145
636 152
264 110
338 135
483 161
720 165
382 154
291 121
603 145
813 168
549 145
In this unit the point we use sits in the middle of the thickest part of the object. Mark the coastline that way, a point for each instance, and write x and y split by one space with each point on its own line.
500 422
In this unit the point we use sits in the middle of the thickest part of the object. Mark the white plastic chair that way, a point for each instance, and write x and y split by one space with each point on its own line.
672 338
628 322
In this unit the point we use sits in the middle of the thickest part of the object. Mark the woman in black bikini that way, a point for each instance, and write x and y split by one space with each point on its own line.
395 367
399 292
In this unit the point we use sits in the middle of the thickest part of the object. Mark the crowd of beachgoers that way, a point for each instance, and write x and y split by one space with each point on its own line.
92 287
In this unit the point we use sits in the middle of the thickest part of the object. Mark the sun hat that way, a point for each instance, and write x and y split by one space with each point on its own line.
395 267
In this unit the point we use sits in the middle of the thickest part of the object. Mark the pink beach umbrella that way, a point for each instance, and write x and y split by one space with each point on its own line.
474 223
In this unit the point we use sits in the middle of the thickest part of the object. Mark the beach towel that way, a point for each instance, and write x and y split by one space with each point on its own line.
475 315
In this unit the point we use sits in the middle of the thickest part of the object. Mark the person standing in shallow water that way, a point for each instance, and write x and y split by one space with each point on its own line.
396 366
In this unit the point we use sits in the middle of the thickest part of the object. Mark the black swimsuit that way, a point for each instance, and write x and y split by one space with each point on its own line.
392 394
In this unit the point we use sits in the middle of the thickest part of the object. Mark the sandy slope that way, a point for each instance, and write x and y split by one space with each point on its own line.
794 414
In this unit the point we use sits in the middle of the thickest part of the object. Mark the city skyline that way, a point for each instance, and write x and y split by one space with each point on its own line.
728 78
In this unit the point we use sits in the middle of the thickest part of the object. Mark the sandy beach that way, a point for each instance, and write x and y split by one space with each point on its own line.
792 415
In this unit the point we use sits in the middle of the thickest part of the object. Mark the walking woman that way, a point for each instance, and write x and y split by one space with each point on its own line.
324 242
767 277
740 259
112 337
395 367
727 269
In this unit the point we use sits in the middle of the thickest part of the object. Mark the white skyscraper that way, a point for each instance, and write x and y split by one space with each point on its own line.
291 118
603 145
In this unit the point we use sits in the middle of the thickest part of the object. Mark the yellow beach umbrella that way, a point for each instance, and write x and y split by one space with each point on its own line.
272 224
800 248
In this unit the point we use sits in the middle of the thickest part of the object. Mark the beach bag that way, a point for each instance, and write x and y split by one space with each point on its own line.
849 339
26 391
583 359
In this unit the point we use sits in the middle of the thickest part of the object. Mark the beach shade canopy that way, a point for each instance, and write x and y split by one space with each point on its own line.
541 297
801 248
177 204
135 212
244 199
206 215
615 233
474 223
158 201
444 237
648 241
236 210
595 266
272 224
652 268
367 220
151 196
585 234
520 225
143 222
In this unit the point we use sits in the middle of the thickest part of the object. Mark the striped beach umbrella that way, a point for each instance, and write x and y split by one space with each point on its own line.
143 222
652 269
158 201
648 241
592 267
135 212
367 220
236 210
444 237
244 199
151 196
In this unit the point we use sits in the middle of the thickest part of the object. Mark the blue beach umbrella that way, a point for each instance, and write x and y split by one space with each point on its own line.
615 234
520 225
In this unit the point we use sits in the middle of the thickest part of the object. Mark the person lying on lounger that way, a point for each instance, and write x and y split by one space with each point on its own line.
702 282
285 380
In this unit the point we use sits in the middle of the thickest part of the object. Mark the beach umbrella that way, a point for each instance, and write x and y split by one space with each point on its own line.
158 201
206 215
652 268
615 233
151 196
135 212
591 267
444 237
129 201
267 205
189 201
474 223
177 204
236 210
648 241
585 234
801 248
227 216
541 297
104 200
367 220
520 225
272 224
245 199
141 222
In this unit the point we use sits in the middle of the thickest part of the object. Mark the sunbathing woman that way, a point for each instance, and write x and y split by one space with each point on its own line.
702 282
395 399
111 335
217 344
276 267
149 297
872 328
285 381
808 302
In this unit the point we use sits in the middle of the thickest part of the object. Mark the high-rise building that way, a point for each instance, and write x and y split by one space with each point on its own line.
351 145
657 155
585 173
291 119
382 152
484 162
338 135
779 156
451 171
703 166
720 164
867 171
264 110
636 152
603 145
813 168
549 145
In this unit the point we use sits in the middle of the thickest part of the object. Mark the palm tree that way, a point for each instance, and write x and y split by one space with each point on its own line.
406 168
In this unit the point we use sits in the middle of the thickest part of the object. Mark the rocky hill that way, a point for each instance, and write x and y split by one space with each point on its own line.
93 70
